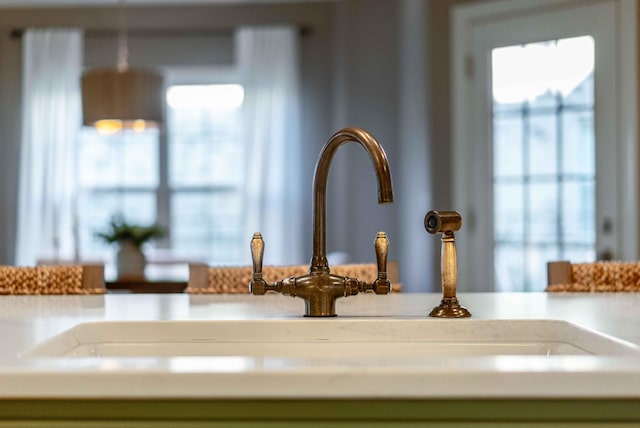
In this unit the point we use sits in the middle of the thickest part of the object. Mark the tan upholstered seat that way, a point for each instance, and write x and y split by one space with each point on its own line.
63 279
235 280
593 277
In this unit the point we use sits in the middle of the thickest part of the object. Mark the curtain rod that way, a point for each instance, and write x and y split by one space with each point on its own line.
17 33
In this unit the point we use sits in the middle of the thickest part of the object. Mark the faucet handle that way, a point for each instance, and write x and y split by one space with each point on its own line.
257 252
382 285
258 285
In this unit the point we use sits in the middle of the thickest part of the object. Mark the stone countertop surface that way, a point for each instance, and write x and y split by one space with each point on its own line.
27 321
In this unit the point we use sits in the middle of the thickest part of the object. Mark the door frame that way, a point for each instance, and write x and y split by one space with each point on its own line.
476 275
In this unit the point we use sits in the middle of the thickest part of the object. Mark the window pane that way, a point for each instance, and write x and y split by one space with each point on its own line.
206 172
539 72
97 208
507 153
548 87
536 266
578 212
195 162
575 65
545 102
509 212
209 225
578 254
205 143
582 95
542 224
509 267
127 158
578 149
542 145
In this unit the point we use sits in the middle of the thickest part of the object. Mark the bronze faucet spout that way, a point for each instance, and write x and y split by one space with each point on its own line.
385 188
319 288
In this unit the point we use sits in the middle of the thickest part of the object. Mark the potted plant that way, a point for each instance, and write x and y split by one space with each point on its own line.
130 259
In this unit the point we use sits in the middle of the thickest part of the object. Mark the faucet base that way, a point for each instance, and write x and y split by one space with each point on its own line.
319 290
450 308
320 308
320 315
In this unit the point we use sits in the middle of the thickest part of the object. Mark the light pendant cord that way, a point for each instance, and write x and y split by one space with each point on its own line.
123 48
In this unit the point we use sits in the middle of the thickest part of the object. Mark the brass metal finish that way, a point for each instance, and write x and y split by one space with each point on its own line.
447 222
319 288
258 285
381 285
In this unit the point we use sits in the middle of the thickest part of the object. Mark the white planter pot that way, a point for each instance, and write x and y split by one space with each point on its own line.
130 261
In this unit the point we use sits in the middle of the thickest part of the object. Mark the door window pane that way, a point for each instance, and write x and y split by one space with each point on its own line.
507 153
578 150
578 225
509 212
508 266
582 95
547 91
542 144
535 264
542 213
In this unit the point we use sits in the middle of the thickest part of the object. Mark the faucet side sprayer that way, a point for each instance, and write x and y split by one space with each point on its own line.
447 222
319 288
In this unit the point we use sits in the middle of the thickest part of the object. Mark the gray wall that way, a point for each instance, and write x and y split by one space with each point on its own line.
383 71
364 63
10 89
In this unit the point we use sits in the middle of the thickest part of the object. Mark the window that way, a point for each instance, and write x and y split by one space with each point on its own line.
206 171
543 158
118 174
190 180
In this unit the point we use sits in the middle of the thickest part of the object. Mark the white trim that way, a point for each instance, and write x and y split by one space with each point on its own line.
494 9
628 135
460 88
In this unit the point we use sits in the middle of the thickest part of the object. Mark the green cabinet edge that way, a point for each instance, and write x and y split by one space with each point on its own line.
334 412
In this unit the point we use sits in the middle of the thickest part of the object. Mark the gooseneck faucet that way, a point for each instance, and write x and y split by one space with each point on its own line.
385 188
319 288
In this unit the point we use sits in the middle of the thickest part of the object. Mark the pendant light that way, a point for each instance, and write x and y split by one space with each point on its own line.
122 98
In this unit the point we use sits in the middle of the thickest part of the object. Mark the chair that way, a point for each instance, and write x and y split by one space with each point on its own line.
61 279
593 277
166 265
235 280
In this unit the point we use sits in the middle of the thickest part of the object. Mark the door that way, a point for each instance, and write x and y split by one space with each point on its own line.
541 162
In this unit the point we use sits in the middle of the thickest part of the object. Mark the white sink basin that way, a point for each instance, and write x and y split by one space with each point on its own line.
329 338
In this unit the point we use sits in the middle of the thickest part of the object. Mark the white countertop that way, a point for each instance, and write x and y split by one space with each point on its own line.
26 321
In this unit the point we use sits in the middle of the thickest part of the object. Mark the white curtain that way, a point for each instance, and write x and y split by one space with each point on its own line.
268 57
51 120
